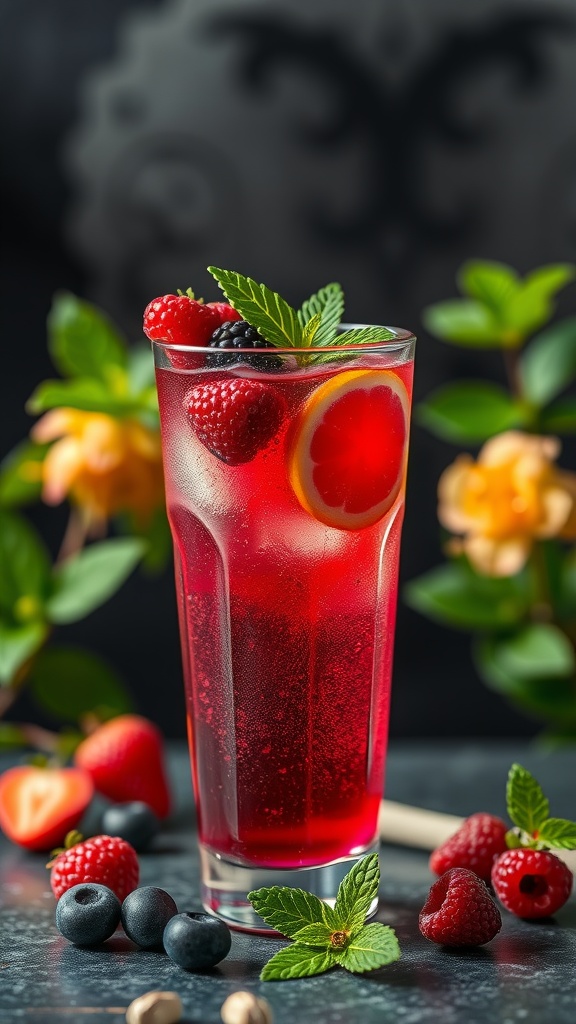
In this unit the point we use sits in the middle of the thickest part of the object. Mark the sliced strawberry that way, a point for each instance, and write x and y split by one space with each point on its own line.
38 806
125 760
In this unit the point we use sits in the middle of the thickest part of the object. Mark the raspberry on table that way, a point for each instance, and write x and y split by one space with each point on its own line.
179 320
105 860
531 883
235 419
459 911
239 334
480 839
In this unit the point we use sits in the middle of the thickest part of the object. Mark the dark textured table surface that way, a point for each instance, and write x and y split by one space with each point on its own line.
527 974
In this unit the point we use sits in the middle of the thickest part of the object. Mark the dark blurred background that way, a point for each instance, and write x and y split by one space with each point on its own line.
379 143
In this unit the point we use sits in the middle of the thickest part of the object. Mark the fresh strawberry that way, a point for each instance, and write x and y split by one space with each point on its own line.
459 911
38 806
125 760
180 320
225 312
106 860
531 883
235 419
480 839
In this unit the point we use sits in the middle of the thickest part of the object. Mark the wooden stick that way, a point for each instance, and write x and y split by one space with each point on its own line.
425 830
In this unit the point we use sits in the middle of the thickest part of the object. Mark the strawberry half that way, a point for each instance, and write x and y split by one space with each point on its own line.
38 806
125 759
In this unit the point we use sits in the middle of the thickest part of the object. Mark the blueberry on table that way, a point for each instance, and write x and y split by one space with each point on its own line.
197 942
145 914
135 822
88 914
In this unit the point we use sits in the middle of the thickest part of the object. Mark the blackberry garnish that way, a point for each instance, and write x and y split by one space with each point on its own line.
239 334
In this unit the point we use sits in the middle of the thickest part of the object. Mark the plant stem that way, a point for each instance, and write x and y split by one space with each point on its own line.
542 609
74 537
8 695
512 364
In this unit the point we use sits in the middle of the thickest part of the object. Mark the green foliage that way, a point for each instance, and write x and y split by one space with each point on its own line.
83 342
357 892
525 648
526 804
18 643
25 576
264 309
374 946
529 809
70 683
85 581
87 394
20 474
548 363
470 412
328 303
455 595
499 310
323 936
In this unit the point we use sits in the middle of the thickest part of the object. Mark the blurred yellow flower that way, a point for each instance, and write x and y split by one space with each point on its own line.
102 464
512 495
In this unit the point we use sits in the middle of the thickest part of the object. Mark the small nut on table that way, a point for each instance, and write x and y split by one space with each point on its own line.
246 1008
155 1008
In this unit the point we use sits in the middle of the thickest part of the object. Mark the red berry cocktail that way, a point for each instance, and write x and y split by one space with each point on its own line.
285 469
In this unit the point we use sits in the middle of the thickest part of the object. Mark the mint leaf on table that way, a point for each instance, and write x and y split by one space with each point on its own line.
264 309
329 304
527 805
357 892
289 910
326 937
297 961
374 946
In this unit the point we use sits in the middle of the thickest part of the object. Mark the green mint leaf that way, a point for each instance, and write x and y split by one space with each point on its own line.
329 303
297 961
356 893
310 330
558 833
317 934
363 335
375 946
267 311
288 910
527 805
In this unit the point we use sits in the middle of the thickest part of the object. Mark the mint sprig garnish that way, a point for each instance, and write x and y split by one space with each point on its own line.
328 303
327 937
315 324
529 809
267 311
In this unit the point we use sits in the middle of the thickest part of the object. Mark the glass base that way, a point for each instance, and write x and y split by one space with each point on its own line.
225 886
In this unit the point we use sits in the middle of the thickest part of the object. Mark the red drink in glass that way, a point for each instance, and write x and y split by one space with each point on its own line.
287 622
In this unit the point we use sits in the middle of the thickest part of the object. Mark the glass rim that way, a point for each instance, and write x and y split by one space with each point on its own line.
401 339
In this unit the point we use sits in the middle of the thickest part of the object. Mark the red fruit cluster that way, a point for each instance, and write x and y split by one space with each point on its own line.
475 845
236 418
460 911
106 860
